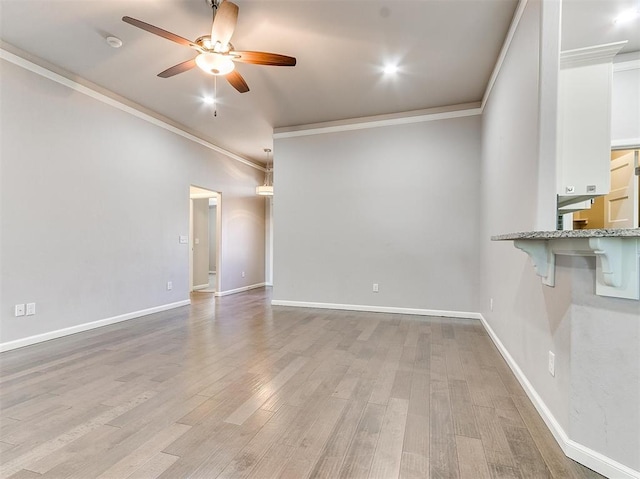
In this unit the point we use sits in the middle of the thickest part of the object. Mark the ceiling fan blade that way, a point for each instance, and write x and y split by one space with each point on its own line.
237 82
160 32
179 68
224 23
263 58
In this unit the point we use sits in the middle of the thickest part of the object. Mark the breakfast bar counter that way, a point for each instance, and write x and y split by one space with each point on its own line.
617 253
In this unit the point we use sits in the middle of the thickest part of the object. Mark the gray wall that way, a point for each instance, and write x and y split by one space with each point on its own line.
605 369
201 249
394 205
93 201
213 211
594 394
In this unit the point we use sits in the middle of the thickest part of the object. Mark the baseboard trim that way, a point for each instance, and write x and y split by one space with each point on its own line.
239 290
576 451
201 286
59 333
379 309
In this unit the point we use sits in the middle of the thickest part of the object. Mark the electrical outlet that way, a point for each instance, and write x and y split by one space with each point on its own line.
375 287
197 241
169 285
243 274
491 304
19 310
552 364
31 309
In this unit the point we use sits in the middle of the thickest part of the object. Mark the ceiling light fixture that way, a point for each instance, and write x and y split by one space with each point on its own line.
215 63
208 100
390 69
267 188
114 42
627 16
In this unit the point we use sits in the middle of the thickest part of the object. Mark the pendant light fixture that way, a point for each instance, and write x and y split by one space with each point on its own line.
267 188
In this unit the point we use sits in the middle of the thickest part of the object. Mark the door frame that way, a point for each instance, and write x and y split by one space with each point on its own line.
202 194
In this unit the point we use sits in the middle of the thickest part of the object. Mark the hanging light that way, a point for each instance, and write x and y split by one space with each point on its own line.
267 188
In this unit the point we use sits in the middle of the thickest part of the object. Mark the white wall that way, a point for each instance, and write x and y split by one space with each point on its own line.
594 395
394 205
93 201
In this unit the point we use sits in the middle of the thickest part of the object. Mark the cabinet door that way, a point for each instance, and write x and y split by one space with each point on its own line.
621 205
585 128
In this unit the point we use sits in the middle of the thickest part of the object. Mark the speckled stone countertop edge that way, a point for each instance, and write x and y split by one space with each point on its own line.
601 233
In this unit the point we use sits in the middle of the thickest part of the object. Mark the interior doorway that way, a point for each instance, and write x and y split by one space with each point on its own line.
621 207
204 240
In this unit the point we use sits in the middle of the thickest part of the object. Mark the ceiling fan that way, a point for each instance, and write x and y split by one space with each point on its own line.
216 55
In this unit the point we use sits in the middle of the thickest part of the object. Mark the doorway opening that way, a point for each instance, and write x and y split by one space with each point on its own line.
621 207
204 240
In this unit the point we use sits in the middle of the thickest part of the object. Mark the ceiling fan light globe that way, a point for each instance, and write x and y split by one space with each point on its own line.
214 63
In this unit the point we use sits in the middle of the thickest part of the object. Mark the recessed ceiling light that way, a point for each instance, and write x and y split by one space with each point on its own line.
114 42
627 16
208 100
390 69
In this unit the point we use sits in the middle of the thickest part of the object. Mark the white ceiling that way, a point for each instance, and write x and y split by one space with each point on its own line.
445 49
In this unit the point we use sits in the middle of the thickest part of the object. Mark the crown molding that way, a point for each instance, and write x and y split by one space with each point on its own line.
58 75
404 118
503 52
590 55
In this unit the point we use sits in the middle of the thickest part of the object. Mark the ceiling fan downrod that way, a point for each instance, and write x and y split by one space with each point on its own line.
214 4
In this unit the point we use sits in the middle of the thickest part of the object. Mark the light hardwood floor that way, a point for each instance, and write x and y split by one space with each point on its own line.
233 388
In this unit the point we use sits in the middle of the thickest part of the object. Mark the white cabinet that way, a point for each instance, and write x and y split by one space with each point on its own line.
625 101
584 122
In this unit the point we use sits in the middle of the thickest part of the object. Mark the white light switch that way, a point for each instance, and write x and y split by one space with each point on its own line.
19 309
184 239
197 241
31 309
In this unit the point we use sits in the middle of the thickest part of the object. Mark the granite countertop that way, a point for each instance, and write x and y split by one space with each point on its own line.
534 235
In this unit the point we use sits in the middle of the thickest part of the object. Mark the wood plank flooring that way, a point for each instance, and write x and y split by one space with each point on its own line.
234 388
